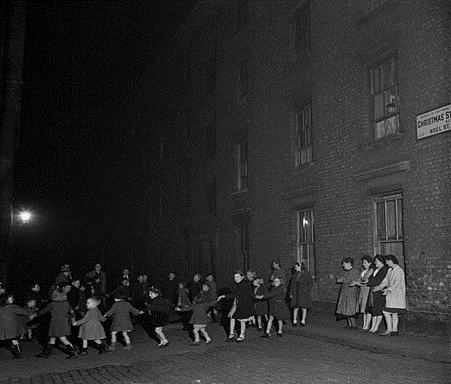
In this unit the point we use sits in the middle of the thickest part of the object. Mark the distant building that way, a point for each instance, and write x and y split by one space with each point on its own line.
309 131
12 37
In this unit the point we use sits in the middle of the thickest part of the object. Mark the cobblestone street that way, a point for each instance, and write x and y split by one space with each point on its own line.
293 358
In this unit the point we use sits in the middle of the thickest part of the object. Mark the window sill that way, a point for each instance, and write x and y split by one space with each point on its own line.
300 168
373 15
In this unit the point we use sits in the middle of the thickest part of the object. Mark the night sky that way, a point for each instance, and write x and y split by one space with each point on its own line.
74 166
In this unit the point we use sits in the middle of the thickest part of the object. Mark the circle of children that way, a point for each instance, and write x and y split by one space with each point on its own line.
72 313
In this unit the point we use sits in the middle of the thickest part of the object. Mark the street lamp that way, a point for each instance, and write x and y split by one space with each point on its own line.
25 216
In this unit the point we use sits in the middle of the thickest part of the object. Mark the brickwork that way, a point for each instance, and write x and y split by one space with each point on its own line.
350 168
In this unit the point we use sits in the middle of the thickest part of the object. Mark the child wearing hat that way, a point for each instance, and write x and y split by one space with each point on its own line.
120 312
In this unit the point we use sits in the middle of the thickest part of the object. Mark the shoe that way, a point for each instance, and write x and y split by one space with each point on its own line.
83 352
207 341
230 338
163 345
279 334
294 325
386 333
73 353
112 347
128 346
266 336
16 351
302 324
240 339
195 343
45 354
394 333
104 348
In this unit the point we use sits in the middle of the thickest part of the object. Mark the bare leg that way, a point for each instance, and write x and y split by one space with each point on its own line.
268 327
196 334
295 315
388 319
304 315
205 334
242 329
280 327
376 323
395 320
160 334
232 327
126 337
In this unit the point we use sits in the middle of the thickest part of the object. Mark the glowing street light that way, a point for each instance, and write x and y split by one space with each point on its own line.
25 216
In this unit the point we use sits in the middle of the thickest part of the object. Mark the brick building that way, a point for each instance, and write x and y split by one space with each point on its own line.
309 130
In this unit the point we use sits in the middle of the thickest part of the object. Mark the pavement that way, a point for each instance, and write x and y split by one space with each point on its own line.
323 351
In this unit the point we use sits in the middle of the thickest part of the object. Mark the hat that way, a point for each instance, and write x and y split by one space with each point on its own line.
65 268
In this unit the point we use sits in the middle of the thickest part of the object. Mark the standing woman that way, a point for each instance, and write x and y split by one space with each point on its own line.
394 289
244 299
277 271
300 288
365 273
376 301
347 298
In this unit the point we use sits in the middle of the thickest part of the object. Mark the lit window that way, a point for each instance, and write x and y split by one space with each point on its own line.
242 163
303 127
305 239
372 5
384 91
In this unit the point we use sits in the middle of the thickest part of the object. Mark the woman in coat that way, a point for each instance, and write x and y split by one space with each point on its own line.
61 313
300 288
244 307
278 308
394 289
376 301
11 324
365 273
349 292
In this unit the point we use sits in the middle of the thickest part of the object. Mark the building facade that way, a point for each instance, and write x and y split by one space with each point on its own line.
309 131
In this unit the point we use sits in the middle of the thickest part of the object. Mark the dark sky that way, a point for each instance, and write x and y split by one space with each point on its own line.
82 61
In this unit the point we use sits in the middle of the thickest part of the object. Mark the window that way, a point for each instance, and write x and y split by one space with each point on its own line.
388 226
372 5
242 161
305 239
302 33
244 245
244 81
303 128
384 92
242 13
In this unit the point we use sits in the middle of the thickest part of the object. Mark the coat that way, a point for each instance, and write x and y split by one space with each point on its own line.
347 298
396 284
183 297
90 325
244 297
170 290
90 278
376 301
300 288
159 309
364 290
120 312
261 306
277 304
199 316
11 325
61 313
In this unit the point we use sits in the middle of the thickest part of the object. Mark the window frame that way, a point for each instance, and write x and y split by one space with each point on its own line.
374 5
302 30
303 154
242 164
243 81
244 245
388 94
242 16
309 244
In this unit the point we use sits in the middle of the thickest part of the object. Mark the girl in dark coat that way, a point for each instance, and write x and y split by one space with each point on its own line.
61 313
278 308
11 324
120 312
376 301
261 306
159 309
300 288
243 309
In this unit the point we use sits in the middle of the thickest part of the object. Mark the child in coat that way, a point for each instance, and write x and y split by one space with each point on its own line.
61 313
184 301
30 307
11 324
120 312
278 308
91 327
261 306
199 318
159 309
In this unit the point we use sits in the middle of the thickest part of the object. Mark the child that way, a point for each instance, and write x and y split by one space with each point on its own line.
210 281
35 293
261 306
184 301
60 312
32 311
199 318
123 289
159 309
91 327
278 308
10 323
120 311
